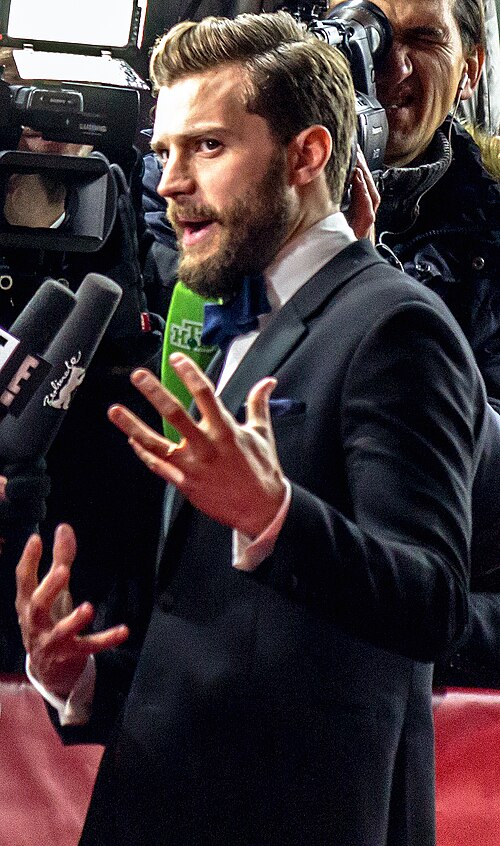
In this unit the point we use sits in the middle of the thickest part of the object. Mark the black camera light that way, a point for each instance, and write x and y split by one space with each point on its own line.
90 204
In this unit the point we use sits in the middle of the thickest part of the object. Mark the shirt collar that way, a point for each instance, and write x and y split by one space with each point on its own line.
295 264
304 255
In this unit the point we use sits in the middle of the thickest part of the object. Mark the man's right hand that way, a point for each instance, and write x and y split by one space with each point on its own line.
52 637
365 200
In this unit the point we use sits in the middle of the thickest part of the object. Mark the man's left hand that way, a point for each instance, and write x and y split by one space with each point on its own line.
229 471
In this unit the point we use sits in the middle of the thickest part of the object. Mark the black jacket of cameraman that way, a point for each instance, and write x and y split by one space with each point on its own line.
453 247
97 484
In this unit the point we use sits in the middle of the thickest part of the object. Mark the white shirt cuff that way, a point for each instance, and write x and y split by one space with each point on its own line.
77 708
248 553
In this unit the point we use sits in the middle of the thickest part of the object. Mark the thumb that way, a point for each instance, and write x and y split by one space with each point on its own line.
258 415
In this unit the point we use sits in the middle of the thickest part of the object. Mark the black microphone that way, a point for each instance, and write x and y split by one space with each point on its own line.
22 368
30 435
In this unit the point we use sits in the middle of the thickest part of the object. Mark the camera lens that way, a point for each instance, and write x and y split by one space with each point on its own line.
368 15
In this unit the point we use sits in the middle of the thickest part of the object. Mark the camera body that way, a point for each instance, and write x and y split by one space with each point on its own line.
79 113
66 77
361 31
82 93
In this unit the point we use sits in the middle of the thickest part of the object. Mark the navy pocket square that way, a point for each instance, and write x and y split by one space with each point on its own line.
278 407
284 406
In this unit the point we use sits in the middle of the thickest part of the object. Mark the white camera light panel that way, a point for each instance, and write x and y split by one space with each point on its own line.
91 22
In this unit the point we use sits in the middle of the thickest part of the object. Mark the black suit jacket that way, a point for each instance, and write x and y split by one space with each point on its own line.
293 705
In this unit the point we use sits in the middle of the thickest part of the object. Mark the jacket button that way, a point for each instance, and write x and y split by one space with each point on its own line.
166 601
478 263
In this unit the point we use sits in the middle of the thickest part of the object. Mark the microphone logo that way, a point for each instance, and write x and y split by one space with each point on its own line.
63 388
21 374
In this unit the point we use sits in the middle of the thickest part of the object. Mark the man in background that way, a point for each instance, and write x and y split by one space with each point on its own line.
439 220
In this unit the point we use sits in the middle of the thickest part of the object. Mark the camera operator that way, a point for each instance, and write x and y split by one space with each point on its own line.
439 209
93 480
452 244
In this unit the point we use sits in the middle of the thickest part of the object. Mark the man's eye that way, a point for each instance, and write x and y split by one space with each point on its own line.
209 145
428 37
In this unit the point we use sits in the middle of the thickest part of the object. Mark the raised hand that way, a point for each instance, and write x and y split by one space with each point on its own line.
229 471
53 633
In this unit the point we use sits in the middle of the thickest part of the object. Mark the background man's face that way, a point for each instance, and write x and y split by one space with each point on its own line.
418 82
224 177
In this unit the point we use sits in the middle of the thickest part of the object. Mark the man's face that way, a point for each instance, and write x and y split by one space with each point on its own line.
419 79
225 179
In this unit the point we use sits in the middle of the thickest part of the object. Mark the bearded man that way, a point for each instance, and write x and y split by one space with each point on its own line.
314 558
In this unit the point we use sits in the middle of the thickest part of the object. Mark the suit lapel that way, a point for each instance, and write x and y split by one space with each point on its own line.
289 326
283 333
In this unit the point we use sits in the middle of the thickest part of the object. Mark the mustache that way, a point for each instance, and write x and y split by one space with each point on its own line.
187 211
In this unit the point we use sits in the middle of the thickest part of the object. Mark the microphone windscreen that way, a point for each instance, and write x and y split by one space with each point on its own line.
22 368
43 316
183 334
29 436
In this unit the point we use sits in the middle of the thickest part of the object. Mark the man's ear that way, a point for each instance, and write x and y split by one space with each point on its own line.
308 153
472 73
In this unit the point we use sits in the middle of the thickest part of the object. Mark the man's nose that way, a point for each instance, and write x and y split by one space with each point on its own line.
176 178
397 65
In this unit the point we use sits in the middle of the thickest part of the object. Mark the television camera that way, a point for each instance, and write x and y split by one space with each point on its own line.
68 78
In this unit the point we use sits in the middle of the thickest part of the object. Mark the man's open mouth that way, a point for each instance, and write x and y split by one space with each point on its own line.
193 231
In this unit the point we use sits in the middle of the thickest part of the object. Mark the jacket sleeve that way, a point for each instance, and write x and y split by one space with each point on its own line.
114 673
392 567
476 662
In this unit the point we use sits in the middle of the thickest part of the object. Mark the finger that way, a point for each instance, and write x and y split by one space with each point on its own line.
372 190
64 548
163 468
203 392
42 599
73 624
133 427
368 179
3 485
165 403
108 639
27 571
258 414
361 211
69 640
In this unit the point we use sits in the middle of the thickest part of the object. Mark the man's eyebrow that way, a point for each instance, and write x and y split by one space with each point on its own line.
155 145
190 135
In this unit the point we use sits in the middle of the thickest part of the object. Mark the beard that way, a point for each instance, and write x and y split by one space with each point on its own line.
253 229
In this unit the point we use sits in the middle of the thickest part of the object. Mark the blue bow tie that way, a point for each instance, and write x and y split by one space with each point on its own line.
225 321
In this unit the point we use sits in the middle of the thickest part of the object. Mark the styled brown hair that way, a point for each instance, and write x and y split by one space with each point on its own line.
294 80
